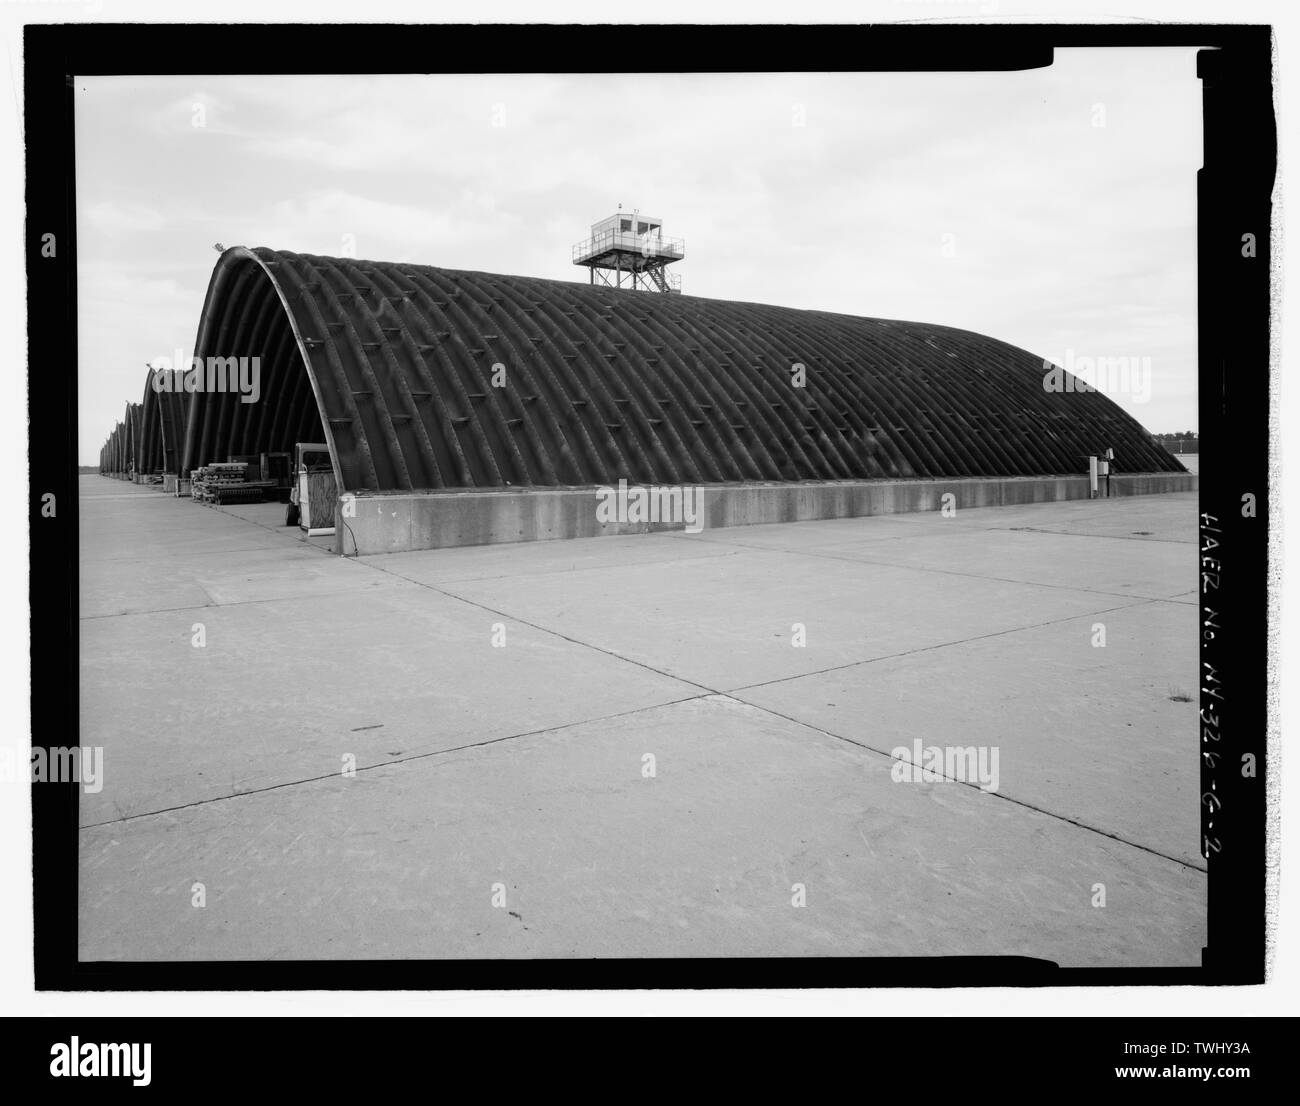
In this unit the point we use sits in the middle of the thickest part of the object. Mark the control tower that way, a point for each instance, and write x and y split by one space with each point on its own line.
628 250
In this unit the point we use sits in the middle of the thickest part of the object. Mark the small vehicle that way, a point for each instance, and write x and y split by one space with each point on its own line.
312 489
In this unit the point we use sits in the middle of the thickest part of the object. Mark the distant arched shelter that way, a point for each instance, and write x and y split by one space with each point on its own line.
164 409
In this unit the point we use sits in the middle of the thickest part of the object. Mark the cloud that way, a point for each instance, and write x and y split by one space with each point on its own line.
117 220
840 192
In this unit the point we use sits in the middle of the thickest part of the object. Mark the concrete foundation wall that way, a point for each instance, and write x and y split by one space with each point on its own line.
369 524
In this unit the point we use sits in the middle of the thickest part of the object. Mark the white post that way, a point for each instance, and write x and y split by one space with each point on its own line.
1092 476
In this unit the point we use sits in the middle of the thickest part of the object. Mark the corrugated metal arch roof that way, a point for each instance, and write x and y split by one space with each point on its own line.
606 384
131 436
117 462
162 423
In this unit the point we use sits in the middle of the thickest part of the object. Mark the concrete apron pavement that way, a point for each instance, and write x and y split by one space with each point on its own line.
614 747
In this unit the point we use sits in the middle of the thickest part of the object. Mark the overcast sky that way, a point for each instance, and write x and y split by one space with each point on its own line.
992 201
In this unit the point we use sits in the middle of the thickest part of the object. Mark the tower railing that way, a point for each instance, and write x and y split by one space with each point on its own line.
647 246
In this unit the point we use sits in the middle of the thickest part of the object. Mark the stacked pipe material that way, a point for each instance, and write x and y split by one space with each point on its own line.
238 493
208 482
